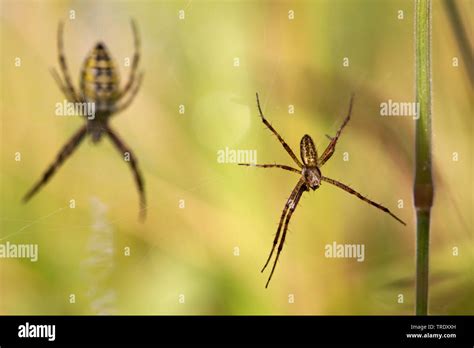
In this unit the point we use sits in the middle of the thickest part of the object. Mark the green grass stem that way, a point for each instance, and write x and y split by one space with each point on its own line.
423 188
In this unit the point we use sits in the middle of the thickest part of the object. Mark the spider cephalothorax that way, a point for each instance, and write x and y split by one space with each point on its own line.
99 85
310 179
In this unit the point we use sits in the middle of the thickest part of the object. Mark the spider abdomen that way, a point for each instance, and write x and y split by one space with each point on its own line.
100 80
309 154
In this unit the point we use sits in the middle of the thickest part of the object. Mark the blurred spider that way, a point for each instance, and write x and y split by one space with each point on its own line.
99 84
311 178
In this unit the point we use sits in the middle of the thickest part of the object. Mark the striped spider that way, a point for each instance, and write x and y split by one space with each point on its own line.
99 84
311 178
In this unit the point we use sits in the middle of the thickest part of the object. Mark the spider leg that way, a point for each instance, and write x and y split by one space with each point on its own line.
136 59
328 152
285 145
291 209
65 152
123 148
63 64
133 93
282 166
61 85
288 204
353 192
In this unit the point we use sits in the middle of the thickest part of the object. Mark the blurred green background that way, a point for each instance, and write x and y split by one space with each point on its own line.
206 258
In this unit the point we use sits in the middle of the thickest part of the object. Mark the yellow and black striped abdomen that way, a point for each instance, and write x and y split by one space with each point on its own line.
100 81
309 154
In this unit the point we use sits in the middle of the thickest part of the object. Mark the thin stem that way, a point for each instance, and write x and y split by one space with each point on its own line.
423 188
422 261
461 37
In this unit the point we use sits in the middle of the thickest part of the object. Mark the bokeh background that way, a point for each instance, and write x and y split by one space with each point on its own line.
205 257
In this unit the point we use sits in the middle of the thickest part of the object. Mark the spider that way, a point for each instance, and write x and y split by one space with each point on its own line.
99 84
311 178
